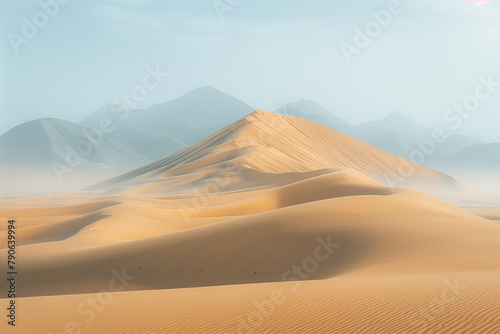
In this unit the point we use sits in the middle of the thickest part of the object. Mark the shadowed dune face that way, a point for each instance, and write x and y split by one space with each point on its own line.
270 199
397 233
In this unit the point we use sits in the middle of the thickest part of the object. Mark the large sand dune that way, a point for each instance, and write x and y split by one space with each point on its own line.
274 143
193 242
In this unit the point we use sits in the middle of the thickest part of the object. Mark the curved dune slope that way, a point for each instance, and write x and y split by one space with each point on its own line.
267 200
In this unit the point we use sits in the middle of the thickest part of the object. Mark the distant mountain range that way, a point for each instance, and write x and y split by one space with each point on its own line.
130 138
133 138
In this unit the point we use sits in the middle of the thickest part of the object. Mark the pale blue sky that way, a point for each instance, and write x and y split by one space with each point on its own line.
266 53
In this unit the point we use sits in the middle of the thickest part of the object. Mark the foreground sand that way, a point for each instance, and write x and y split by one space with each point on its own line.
191 243
447 303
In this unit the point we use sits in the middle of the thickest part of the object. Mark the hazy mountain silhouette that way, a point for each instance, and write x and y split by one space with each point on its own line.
202 108
48 140
140 136
186 119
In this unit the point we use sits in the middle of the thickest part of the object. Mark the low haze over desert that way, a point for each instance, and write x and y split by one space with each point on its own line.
235 167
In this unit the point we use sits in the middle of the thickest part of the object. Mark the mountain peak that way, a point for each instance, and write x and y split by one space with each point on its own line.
46 120
202 108
205 90
44 125
398 117
304 106
305 102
